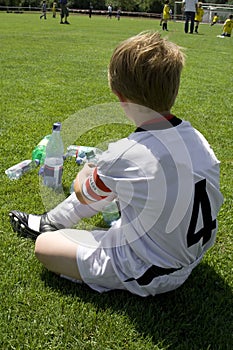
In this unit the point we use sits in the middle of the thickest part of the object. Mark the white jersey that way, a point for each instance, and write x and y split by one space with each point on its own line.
166 179
167 184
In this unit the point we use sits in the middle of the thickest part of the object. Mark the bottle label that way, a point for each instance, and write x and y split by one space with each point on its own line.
16 171
20 167
53 175
25 166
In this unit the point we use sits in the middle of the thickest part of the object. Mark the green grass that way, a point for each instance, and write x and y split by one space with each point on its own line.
51 72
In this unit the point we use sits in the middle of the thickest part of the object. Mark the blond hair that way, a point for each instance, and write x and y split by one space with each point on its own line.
146 69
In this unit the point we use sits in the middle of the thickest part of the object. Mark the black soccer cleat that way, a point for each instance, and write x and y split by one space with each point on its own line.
31 226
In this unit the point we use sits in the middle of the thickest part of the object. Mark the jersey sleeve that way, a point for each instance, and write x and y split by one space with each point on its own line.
108 174
127 167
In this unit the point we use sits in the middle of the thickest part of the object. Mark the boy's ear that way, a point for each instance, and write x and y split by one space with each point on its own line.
120 96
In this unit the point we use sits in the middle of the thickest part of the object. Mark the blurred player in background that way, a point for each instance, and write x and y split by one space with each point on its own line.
166 15
198 16
227 27
215 19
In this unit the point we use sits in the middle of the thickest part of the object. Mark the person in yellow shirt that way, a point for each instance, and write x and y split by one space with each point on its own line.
215 19
198 16
227 27
54 9
166 15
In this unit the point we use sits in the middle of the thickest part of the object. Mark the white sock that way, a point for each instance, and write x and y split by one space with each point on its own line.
34 222
71 211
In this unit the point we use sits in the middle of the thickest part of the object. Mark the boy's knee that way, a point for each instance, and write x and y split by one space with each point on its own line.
40 246
43 251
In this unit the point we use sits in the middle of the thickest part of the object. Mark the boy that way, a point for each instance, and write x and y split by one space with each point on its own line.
118 14
90 9
44 10
198 16
215 19
109 15
227 27
54 9
64 12
164 175
166 15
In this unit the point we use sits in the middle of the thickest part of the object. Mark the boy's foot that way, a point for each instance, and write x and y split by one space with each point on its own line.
31 226
66 22
61 22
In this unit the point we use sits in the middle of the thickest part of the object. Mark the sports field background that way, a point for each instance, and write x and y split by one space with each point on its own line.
48 73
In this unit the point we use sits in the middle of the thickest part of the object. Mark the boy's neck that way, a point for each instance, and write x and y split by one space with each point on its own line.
143 115
158 119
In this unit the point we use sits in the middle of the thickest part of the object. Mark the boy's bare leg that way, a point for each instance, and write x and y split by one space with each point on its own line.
58 253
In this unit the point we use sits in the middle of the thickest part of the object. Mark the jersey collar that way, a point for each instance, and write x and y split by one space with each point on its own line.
164 122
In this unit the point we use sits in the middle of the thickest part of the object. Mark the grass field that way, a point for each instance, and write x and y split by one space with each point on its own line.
50 72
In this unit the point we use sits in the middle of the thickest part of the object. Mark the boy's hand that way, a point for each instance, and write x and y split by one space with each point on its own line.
80 179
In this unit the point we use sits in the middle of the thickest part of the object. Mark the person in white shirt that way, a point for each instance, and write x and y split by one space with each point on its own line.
109 15
164 175
190 9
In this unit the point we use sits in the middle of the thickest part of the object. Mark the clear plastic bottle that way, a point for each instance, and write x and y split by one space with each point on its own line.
81 158
53 165
111 213
17 170
90 157
39 151
76 151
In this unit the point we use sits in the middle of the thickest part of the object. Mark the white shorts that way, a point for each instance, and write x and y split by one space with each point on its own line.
98 269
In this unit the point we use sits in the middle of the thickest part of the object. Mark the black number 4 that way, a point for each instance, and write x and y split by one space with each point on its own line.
201 201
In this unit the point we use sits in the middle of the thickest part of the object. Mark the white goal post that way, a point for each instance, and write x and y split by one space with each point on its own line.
222 10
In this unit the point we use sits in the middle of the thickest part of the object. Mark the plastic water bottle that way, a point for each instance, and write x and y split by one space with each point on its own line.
81 158
111 213
17 170
79 151
74 150
39 151
92 157
53 164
